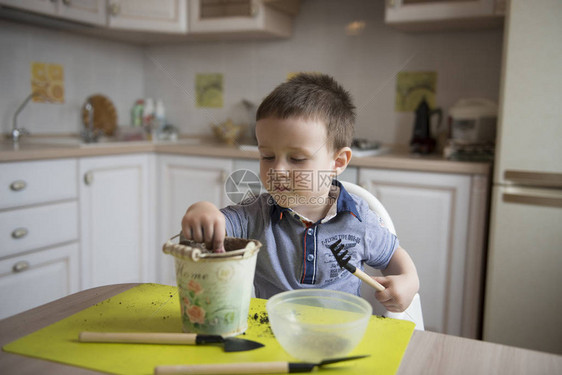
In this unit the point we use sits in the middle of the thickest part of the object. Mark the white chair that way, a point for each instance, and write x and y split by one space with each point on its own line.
414 312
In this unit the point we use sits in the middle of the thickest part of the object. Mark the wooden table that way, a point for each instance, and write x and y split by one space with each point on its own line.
427 353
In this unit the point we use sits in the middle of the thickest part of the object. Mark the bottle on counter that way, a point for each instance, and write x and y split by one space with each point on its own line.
137 113
160 114
148 117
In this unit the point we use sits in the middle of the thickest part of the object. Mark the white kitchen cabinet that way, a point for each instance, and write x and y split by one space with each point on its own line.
85 11
46 7
30 280
243 17
440 221
166 16
421 15
88 11
116 220
36 227
156 21
184 180
39 236
30 183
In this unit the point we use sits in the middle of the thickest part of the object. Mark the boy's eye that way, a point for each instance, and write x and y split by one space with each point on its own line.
267 157
298 160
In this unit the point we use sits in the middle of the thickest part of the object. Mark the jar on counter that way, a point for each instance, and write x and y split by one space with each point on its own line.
148 117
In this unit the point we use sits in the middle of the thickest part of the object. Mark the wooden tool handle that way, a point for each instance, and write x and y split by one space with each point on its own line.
369 280
140 338
226 368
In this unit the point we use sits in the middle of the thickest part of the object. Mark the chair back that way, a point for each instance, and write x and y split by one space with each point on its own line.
414 312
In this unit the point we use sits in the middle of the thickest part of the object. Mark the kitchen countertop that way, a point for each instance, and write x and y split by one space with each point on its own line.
427 352
43 149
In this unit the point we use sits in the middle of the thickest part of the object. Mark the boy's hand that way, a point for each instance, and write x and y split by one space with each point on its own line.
399 293
400 280
203 222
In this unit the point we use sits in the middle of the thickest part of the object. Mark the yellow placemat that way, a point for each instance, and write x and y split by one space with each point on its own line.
155 308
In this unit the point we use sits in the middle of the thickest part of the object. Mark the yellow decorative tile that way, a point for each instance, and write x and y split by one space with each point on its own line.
412 87
48 81
209 89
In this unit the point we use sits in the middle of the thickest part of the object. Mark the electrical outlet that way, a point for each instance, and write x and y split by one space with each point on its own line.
48 81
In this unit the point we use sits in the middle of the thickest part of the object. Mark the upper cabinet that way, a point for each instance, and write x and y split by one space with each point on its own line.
88 11
47 7
155 21
433 15
167 16
242 17
85 11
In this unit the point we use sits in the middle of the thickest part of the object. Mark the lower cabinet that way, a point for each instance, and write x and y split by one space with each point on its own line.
30 280
182 181
440 220
39 233
115 211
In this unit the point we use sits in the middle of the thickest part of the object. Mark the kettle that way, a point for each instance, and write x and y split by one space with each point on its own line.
422 142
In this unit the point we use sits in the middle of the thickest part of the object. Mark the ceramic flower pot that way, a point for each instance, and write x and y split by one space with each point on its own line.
215 288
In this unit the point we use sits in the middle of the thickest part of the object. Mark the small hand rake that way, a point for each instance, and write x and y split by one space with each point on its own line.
340 256
343 262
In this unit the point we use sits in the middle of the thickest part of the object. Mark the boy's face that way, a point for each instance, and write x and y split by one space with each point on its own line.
296 163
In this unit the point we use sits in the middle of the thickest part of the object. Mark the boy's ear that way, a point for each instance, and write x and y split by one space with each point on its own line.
342 158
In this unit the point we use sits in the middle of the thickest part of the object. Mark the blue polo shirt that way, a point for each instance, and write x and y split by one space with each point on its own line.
295 252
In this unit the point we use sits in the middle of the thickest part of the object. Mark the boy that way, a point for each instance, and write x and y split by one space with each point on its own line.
304 129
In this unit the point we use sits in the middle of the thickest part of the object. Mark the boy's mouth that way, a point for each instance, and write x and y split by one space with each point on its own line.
280 188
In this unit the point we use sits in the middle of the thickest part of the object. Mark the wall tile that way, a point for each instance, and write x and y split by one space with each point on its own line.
90 66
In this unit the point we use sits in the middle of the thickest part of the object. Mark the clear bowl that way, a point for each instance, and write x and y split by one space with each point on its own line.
317 324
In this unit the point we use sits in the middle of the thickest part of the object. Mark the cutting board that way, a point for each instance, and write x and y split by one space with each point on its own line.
155 308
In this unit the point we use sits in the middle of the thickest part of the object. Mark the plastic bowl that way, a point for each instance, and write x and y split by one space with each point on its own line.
317 324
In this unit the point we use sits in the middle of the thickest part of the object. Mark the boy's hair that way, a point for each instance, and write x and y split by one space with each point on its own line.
315 97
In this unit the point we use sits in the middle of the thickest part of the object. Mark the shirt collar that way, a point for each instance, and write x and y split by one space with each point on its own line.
345 203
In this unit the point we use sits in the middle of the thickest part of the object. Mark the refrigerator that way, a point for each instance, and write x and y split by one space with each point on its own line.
523 289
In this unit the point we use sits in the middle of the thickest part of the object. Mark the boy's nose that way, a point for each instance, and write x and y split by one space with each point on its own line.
280 166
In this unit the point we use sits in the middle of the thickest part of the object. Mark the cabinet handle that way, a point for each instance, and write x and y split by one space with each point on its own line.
88 178
21 266
18 185
114 9
19 233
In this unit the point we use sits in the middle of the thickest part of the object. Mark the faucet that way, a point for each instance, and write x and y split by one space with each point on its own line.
90 135
18 132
